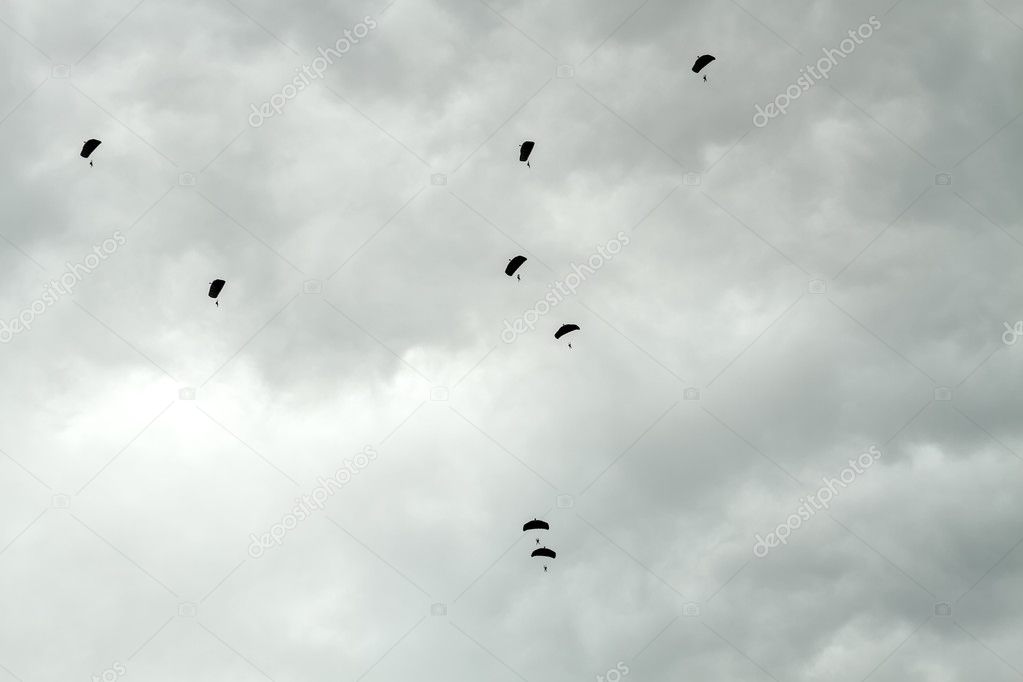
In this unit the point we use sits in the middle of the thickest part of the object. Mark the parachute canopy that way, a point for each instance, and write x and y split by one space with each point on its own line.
89 147
543 551
565 329
536 524
215 287
514 265
525 149
701 62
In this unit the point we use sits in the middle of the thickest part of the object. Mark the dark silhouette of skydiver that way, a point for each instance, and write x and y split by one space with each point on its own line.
88 147
216 286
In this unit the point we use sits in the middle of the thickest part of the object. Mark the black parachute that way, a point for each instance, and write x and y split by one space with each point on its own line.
514 264
88 147
525 149
536 524
215 288
701 62
565 329
543 551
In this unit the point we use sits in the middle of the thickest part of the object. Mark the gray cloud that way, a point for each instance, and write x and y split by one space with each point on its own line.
812 283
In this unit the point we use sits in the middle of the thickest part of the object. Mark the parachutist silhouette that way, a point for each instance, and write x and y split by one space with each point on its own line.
88 147
565 329
544 552
538 541
525 149
215 288
518 277
704 79
514 264
701 62
216 303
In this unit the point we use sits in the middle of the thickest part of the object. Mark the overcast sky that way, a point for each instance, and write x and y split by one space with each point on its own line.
786 297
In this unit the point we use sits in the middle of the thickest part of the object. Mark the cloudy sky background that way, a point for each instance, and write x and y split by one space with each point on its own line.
126 511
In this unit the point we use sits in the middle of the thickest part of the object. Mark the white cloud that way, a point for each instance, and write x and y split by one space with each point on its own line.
126 505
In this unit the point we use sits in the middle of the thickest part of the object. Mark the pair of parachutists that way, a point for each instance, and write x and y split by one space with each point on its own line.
88 147
537 524
513 265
